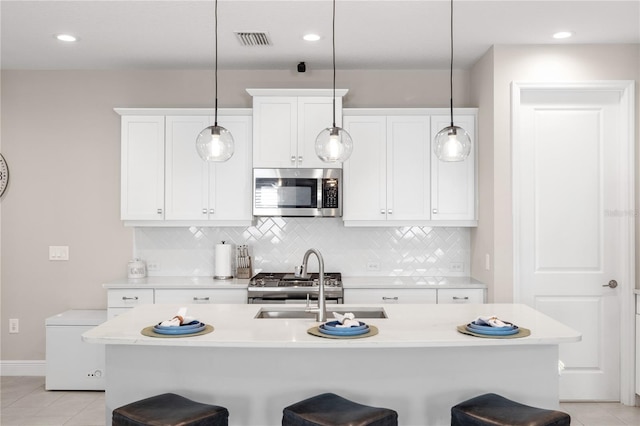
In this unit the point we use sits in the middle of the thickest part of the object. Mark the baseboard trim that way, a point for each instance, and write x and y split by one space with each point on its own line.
23 368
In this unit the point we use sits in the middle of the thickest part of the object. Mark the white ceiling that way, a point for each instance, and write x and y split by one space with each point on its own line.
382 34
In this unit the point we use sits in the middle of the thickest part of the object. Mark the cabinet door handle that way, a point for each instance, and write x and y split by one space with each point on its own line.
159 211
300 159
382 211
129 298
212 211
293 158
460 298
196 299
204 211
389 298
390 211
434 211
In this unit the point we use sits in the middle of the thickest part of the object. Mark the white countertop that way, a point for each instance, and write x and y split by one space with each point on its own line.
180 282
347 282
411 325
411 282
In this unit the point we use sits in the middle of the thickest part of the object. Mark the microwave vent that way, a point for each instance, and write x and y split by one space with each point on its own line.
255 38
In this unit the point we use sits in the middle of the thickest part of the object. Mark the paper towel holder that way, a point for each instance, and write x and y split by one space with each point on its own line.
227 273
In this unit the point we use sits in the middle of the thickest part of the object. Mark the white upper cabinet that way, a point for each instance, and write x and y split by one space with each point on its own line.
286 123
392 177
164 179
453 184
386 179
200 190
142 172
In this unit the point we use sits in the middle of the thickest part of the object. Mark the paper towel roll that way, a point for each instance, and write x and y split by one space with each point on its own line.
224 261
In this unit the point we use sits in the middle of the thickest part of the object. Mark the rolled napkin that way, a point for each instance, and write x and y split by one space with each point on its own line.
492 321
346 320
179 319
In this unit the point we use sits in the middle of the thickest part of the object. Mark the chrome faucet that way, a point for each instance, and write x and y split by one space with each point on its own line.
321 309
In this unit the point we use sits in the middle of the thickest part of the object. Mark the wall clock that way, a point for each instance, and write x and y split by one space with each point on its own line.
4 175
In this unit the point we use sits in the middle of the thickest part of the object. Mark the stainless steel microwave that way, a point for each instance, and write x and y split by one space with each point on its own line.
297 192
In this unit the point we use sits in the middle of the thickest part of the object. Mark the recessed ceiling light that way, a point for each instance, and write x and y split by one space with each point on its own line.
311 37
66 37
562 34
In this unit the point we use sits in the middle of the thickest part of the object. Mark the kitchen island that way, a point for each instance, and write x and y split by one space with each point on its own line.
418 364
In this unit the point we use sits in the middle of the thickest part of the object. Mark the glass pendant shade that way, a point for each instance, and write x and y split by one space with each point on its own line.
215 143
334 145
452 144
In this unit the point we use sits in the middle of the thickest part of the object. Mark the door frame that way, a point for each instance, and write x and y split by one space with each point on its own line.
626 89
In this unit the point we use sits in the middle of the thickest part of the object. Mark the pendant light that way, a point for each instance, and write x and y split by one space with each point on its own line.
215 143
452 143
334 144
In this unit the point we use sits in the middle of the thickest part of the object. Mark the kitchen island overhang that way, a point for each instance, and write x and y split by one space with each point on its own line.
418 364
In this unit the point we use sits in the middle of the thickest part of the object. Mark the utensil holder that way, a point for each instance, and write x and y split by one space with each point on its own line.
246 272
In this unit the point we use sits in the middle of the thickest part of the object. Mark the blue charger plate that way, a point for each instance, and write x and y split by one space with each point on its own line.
333 325
343 331
191 325
494 331
179 330
488 327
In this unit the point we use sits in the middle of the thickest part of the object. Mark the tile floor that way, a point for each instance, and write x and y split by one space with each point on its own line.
24 402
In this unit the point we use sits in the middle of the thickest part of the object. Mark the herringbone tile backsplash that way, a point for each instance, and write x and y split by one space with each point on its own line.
278 244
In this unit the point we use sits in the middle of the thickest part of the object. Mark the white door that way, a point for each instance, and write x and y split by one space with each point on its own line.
187 176
142 174
408 156
573 231
453 184
365 172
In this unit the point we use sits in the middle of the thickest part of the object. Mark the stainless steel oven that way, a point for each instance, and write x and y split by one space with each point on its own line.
297 192
274 287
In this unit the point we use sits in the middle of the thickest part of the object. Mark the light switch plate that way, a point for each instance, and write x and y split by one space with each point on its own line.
58 252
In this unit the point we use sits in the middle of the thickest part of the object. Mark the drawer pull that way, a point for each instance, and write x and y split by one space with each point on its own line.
389 298
200 298
129 298
460 298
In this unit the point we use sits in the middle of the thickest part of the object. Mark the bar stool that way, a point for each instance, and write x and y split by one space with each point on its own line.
329 409
169 409
495 410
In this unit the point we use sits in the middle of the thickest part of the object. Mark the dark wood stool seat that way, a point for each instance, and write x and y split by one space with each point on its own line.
494 410
169 409
329 409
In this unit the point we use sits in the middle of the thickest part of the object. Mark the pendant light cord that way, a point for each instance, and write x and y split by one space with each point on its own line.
451 65
333 41
215 120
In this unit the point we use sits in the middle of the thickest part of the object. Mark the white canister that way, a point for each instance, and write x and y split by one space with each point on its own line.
223 261
136 269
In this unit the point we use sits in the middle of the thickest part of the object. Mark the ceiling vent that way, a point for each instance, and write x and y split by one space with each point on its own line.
253 38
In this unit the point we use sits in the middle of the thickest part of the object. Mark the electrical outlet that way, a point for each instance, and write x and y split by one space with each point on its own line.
14 325
372 265
58 252
153 266
456 266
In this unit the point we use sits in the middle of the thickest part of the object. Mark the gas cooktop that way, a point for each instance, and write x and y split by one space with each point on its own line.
284 279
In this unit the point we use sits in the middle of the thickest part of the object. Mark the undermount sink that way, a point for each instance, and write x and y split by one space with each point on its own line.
290 313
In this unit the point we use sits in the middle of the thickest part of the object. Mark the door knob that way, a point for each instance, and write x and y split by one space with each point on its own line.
612 284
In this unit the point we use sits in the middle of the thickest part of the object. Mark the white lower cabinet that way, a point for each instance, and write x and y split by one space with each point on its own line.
460 295
121 300
410 295
207 295
383 295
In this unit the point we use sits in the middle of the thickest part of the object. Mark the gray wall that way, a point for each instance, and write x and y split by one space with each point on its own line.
61 139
